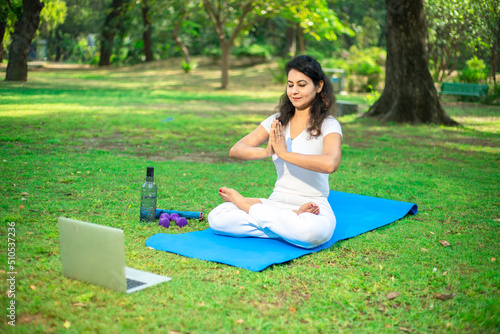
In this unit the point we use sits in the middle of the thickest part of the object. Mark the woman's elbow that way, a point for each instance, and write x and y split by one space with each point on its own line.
332 167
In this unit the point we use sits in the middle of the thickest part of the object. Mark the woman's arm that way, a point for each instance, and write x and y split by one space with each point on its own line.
248 147
326 162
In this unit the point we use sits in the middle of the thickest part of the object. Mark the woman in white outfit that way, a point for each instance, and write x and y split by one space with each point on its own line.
303 140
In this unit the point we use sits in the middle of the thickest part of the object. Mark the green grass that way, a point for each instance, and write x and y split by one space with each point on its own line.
79 141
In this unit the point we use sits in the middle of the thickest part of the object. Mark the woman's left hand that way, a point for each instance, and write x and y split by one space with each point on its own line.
277 138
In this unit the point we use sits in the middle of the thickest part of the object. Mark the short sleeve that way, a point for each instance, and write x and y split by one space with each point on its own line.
268 122
331 125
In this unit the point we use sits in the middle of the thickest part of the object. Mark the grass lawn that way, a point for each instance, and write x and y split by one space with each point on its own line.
76 143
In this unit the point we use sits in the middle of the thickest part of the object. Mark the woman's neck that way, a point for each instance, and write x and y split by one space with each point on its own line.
301 114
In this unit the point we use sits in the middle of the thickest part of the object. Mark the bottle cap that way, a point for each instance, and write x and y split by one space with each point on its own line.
150 172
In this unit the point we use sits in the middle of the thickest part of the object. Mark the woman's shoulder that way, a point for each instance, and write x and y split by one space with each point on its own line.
330 121
331 125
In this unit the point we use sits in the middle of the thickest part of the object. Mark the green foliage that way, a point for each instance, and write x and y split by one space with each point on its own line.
369 33
366 65
315 18
256 52
52 15
188 67
371 98
493 95
213 52
475 72
278 72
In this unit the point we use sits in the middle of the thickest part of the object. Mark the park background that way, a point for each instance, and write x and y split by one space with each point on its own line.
78 133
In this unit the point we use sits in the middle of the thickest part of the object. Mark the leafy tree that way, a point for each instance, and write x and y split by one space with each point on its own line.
25 30
409 94
452 26
110 27
83 21
313 18
146 32
229 18
7 9
181 12
353 13
52 15
488 12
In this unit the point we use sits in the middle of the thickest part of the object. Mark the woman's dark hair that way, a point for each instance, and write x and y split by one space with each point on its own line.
322 105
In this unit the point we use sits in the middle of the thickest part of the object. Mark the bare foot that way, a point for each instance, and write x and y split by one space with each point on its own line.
241 202
310 207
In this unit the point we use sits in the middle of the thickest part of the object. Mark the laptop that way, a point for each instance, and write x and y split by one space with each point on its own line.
96 254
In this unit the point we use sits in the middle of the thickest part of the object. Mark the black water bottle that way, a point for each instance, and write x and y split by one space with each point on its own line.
148 197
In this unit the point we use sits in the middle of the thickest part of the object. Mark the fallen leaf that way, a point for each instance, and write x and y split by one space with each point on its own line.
392 295
67 324
32 287
21 207
150 247
79 304
242 287
237 272
445 273
493 259
240 321
404 329
444 296
24 194
444 243
388 326
424 250
201 304
292 309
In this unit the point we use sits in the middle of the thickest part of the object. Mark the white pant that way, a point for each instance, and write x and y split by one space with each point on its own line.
274 218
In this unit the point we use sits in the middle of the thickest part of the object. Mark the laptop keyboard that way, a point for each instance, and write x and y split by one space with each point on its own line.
132 283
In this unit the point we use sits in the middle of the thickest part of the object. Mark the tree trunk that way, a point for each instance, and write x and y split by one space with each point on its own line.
146 33
184 49
109 30
409 95
2 34
291 41
225 54
177 38
493 62
24 32
300 35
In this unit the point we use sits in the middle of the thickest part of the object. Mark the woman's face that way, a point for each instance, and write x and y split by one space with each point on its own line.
301 89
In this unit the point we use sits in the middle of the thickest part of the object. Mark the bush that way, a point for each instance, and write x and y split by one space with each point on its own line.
475 72
493 94
278 73
366 64
214 53
256 52
188 67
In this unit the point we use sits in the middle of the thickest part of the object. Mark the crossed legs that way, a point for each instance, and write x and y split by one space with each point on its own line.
243 217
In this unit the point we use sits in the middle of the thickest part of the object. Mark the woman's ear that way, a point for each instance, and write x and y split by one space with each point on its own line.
320 86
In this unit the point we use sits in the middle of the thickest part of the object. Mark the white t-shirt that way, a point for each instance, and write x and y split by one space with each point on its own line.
296 180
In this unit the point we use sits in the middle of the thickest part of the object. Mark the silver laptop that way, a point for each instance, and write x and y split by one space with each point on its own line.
96 254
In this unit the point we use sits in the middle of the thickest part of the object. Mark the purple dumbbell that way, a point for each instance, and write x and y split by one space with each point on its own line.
164 220
181 221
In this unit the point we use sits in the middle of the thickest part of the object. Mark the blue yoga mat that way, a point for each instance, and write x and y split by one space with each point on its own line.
355 214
